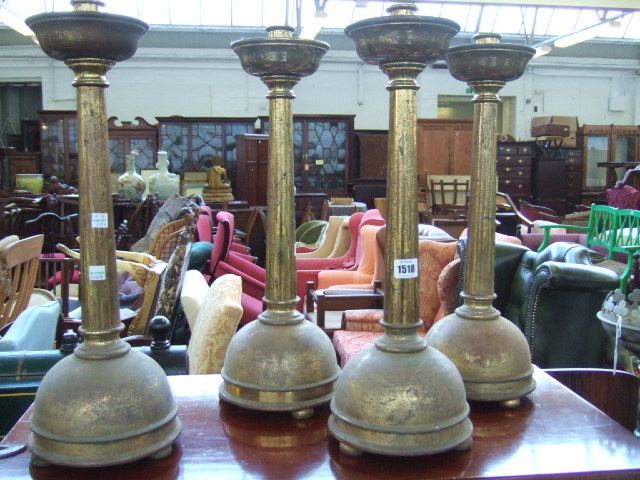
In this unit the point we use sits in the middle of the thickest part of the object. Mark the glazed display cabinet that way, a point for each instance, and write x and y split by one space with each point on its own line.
124 137
609 151
322 152
194 142
59 145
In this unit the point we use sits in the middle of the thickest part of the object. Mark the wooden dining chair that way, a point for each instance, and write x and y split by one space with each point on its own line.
19 268
449 197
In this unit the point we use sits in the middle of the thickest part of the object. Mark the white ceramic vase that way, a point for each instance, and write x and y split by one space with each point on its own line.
131 185
164 183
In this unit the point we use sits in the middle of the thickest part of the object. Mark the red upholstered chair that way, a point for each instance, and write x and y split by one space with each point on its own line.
624 196
221 245
204 230
308 268
253 276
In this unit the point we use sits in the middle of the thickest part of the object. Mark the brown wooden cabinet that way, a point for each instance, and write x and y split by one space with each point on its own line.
23 162
444 146
513 166
251 180
557 178
372 151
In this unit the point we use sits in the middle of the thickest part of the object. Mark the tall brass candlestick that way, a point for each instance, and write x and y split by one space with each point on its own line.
106 404
400 396
491 353
280 361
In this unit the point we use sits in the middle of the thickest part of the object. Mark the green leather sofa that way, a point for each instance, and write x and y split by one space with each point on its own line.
553 297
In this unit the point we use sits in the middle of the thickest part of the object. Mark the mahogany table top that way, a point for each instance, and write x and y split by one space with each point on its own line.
554 433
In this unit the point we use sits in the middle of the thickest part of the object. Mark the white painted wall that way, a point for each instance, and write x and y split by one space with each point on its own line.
199 82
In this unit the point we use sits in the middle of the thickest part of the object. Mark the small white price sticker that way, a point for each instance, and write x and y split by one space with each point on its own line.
97 273
99 220
405 268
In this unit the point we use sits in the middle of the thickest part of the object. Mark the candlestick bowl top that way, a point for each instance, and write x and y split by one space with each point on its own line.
280 53
488 60
87 34
402 37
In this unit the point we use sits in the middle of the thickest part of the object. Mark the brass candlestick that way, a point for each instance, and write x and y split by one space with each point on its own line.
400 396
280 361
106 404
491 352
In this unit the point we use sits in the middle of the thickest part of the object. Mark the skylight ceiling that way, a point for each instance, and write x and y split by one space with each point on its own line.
534 22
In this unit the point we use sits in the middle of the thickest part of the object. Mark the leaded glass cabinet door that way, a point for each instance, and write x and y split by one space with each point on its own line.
194 143
327 155
321 152
174 139
124 137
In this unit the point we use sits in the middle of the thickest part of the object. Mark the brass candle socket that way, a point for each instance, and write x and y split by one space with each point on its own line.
401 396
491 353
280 362
105 404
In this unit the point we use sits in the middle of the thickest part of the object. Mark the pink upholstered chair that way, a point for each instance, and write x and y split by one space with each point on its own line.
204 228
221 245
253 276
624 196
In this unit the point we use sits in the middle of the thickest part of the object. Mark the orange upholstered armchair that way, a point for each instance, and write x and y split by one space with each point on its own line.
362 276
361 327
438 280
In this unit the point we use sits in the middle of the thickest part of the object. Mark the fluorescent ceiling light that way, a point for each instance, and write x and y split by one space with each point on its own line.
542 50
587 34
10 19
310 30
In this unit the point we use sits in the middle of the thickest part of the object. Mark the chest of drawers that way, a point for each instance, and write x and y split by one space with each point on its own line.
513 166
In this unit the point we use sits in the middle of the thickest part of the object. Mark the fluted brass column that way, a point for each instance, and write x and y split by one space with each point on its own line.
400 396
491 353
280 361
106 404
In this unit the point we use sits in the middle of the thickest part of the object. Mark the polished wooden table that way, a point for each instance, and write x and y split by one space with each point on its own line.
554 434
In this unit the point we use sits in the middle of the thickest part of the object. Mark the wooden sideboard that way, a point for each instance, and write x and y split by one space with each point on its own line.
554 434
